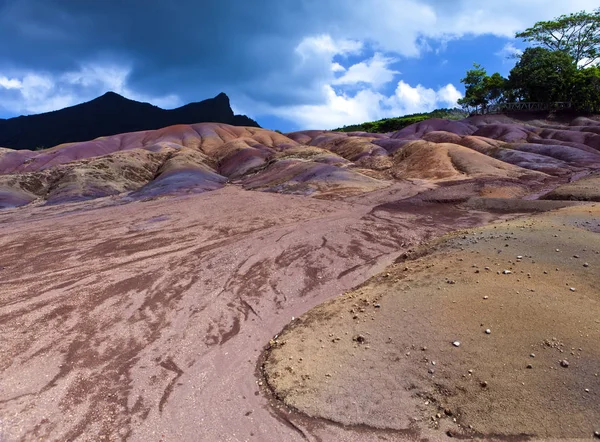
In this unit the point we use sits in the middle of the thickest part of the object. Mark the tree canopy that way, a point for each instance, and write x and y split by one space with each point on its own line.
559 68
542 75
482 90
576 34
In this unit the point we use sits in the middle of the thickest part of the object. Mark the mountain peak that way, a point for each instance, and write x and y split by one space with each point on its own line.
111 114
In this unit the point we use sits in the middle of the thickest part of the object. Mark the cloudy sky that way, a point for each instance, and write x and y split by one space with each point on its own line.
290 64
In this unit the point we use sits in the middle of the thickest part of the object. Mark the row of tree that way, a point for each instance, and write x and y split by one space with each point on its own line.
561 67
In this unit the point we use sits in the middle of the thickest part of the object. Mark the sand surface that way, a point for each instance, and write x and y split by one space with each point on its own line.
488 334
145 321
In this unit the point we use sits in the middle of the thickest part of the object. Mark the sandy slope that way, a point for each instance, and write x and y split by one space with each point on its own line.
145 320
383 354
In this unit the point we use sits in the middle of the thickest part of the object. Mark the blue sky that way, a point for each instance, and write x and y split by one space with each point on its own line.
301 64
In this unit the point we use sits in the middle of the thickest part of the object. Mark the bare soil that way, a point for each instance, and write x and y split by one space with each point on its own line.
145 321
488 334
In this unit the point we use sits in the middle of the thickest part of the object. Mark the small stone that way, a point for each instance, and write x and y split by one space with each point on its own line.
486 297
470 371
587 390
519 257
431 371
585 264
529 366
484 384
507 272
488 331
456 343
572 289
558 250
377 305
597 434
360 339
532 355
576 256
564 363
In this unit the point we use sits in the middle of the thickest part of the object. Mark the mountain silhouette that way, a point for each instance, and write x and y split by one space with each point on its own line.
110 114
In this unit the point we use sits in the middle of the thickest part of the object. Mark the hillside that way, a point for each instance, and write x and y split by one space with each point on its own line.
144 273
110 114
392 124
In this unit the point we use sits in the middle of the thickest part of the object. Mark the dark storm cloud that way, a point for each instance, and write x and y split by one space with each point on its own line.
191 48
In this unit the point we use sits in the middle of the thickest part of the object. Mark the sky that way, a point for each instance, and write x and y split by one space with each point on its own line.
289 64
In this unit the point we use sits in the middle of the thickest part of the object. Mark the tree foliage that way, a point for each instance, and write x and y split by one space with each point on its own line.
542 75
559 68
576 34
482 90
586 90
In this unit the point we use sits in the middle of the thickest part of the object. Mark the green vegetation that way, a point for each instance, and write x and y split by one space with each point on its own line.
394 124
559 68
575 34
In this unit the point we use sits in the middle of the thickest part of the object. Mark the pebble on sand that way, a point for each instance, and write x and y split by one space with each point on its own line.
564 363
488 331
456 343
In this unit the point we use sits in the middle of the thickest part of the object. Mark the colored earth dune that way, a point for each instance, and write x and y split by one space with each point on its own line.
214 282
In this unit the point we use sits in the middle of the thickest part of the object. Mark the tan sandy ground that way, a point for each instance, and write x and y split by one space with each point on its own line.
585 189
383 355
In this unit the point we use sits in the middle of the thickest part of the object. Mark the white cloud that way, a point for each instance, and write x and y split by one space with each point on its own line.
399 26
325 45
9 83
35 92
374 71
509 51
336 67
449 95
341 109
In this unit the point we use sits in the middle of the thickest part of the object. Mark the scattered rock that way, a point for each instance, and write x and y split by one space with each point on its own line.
360 339
507 272
572 289
483 384
529 366
488 331
456 343
564 363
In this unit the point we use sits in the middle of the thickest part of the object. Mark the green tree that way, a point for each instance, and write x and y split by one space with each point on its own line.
586 90
542 75
481 90
576 34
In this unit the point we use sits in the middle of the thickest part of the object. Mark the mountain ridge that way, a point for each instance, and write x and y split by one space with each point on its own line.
110 114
